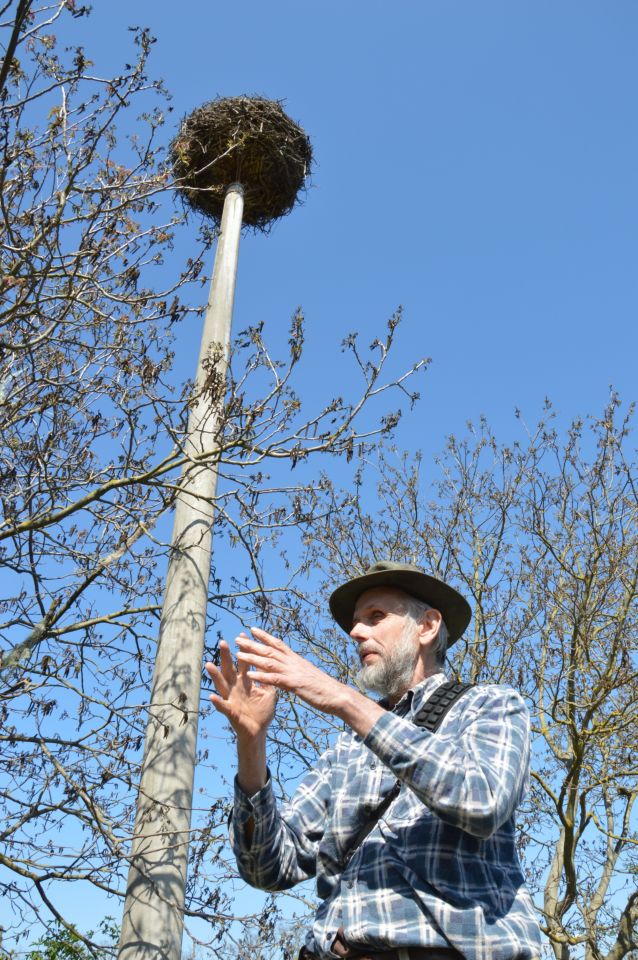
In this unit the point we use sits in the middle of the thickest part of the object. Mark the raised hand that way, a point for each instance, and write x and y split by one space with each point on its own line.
248 698
276 665
249 706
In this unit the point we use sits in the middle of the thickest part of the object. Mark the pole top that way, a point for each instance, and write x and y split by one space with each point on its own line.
246 140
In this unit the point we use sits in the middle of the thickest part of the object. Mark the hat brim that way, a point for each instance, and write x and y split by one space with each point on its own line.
453 607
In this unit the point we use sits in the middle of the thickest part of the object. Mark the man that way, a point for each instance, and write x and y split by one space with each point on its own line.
437 877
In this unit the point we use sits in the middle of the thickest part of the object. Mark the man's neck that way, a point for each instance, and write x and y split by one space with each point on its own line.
421 673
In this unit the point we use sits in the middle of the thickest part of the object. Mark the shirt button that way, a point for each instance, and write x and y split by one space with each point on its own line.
350 884
373 764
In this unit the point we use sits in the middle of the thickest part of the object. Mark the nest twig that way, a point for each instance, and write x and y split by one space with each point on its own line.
247 140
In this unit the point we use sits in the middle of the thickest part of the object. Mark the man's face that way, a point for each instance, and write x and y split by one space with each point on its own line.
388 641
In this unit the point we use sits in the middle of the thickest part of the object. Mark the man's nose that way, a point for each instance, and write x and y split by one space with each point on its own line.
359 632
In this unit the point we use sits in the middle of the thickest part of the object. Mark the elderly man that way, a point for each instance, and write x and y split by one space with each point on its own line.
409 832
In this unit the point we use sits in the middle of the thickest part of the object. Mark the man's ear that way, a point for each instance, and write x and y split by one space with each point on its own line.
429 625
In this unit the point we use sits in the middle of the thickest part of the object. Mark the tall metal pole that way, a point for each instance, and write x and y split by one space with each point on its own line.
152 924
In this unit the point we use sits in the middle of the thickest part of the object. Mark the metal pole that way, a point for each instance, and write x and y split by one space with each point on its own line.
152 925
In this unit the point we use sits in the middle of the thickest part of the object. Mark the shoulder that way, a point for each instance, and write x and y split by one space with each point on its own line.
494 693
493 700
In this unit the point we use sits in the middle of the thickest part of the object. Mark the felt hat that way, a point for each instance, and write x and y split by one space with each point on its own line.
454 608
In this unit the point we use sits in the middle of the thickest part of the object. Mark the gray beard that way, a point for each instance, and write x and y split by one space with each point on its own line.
392 673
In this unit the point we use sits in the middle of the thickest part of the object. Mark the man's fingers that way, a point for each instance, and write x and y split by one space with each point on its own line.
265 671
226 664
268 639
257 649
220 704
244 676
263 655
217 677
249 659
266 679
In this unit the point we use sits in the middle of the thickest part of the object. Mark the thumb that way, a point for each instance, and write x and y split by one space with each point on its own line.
221 705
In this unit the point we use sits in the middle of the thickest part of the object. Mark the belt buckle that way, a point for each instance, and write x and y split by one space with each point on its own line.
305 954
340 945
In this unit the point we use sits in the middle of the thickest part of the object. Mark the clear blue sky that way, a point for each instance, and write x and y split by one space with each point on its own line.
476 162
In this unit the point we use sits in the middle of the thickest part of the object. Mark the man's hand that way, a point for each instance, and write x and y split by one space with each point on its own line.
276 665
248 698
248 706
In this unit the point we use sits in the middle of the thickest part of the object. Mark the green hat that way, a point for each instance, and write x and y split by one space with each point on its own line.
454 608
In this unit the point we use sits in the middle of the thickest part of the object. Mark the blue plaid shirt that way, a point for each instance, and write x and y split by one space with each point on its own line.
440 867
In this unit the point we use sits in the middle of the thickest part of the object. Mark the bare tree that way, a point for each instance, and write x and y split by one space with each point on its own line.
542 535
92 427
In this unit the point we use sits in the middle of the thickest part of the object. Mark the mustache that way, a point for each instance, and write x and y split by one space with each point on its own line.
366 648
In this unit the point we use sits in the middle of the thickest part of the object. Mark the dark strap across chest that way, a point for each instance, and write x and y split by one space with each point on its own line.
433 711
430 716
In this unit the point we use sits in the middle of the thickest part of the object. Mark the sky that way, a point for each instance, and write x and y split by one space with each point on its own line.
476 163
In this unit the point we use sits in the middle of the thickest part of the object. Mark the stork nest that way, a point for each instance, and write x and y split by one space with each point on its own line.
247 140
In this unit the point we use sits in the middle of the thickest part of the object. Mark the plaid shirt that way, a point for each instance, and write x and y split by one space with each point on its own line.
440 867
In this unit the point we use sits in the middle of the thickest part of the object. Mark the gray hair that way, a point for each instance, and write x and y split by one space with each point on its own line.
414 610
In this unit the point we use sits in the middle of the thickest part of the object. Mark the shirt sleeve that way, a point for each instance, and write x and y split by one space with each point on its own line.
283 848
472 774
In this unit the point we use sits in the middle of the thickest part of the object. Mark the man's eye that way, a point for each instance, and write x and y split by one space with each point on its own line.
376 616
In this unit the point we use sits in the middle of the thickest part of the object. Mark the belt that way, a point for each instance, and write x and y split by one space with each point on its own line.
344 950
408 953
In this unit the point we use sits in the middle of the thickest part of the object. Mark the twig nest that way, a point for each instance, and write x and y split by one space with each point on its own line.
247 140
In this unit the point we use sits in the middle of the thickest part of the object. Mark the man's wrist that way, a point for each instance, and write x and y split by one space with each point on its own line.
358 711
252 772
251 742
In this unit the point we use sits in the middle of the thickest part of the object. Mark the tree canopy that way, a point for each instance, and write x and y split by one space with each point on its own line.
101 273
540 532
541 535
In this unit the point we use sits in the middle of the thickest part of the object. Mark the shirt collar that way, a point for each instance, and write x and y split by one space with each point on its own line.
415 697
